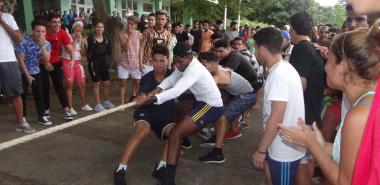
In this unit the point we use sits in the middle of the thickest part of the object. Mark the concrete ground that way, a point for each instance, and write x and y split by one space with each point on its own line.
88 153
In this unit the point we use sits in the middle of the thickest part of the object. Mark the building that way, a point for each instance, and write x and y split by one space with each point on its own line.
24 13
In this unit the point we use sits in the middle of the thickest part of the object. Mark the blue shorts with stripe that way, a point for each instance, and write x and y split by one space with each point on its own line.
282 173
203 113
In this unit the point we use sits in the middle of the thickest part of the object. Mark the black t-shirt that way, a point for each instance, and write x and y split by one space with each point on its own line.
309 64
98 50
239 64
147 84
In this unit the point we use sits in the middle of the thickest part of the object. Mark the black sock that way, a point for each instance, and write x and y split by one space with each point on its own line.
170 174
218 150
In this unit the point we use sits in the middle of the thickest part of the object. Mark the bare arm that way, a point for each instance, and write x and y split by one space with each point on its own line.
352 133
123 41
276 116
45 54
15 34
304 83
20 58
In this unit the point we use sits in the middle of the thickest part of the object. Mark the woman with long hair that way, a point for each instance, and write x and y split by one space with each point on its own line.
353 67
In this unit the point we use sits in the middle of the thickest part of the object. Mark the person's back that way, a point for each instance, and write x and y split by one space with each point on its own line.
240 65
309 64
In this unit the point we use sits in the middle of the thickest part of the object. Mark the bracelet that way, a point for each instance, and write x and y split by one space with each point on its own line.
264 153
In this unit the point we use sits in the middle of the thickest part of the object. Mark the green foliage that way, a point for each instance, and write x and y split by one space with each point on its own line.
275 12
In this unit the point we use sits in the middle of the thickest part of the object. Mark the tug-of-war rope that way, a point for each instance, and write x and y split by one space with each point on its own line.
57 128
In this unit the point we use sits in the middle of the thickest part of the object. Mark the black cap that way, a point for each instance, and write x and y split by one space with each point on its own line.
182 49
183 37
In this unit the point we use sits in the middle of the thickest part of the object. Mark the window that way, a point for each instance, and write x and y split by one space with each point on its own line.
147 7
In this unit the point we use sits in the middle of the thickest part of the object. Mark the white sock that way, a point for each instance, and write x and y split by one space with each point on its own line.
161 164
122 167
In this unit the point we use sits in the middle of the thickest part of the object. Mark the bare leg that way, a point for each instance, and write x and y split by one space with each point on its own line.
96 92
141 132
69 92
182 129
165 150
221 127
235 125
123 83
106 90
82 93
17 103
304 173
135 87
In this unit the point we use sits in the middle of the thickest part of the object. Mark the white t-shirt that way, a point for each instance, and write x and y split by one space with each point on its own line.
197 79
66 55
7 52
284 84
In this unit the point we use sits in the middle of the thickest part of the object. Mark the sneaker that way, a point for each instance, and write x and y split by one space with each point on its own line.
73 112
44 121
47 113
232 134
25 127
159 174
243 125
67 116
119 177
210 143
87 108
213 157
204 133
108 105
186 143
99 108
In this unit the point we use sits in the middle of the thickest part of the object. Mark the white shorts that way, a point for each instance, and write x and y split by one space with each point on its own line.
147 69
124 73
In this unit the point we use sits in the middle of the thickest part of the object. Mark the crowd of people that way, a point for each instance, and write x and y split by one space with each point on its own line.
319 86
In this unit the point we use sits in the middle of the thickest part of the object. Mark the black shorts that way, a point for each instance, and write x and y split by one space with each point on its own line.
98 70
10 79
157 122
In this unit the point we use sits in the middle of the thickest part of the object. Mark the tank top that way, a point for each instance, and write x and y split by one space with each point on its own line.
338 137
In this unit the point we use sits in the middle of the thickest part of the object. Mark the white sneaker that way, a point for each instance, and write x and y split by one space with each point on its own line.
108 105
87 108
47 113
99 108
45 121
73 112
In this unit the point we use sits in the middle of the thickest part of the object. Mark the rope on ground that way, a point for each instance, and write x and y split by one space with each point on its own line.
57 128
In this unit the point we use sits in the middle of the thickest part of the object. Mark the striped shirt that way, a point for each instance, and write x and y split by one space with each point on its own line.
130 55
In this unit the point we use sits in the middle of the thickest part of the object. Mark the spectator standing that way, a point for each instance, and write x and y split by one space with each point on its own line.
129 64
10 76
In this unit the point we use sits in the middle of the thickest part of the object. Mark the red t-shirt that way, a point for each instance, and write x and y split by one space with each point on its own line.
56 41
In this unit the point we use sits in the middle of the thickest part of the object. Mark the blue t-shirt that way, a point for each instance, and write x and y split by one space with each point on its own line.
32 53
147 84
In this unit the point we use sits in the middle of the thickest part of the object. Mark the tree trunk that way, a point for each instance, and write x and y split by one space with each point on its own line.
111 26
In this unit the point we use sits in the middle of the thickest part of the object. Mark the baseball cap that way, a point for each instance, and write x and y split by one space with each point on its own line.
285 34
182 49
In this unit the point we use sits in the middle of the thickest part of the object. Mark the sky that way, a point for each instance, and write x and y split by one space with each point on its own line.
327 2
